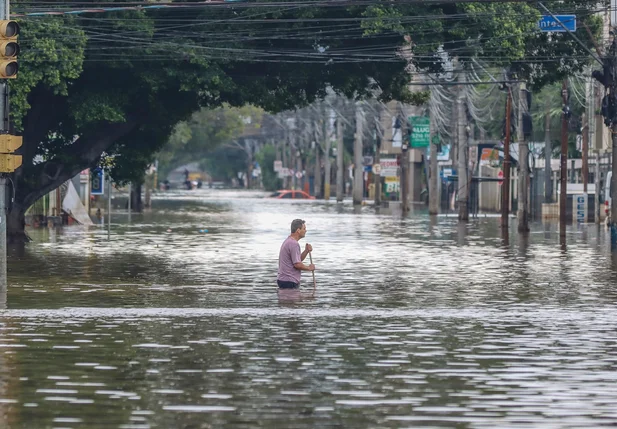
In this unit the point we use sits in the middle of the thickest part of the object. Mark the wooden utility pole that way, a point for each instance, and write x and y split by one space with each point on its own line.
463 154
523 162
358 174
340 173
563 179
505 187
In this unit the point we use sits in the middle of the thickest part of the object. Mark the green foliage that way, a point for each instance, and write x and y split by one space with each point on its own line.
52 56
269 177
203 133
83 73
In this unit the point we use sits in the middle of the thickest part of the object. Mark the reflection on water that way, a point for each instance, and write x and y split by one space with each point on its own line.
415 322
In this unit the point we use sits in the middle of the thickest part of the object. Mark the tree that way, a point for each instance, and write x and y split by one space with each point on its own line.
115 85
203 133
269 177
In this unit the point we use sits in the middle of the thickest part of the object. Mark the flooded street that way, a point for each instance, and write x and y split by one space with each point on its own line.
415 323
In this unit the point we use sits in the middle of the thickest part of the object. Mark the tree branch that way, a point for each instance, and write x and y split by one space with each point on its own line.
83 153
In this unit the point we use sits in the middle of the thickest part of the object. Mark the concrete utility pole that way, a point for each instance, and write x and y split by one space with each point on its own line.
340 173
463 153
433 182
358 174
377 160
585 152
505 187
523 162
563 179
548 152
404 182
327 132
317 173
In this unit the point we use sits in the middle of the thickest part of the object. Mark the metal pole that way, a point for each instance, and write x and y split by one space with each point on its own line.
505 187
564 164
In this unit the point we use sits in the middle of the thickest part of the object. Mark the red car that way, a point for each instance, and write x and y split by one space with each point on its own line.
289 194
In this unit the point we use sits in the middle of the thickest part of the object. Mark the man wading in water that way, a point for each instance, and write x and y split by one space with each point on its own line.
290 259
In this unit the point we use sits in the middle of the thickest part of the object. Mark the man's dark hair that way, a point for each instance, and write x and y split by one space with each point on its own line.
295 224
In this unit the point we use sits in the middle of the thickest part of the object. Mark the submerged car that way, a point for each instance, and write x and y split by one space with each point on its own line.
291 194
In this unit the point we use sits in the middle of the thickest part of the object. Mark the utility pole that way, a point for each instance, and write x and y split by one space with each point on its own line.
377 160
340 174
433 183
317 180
8 143
505 187
563 183
358 179
523 162
548 152
463 164
585 152
327 132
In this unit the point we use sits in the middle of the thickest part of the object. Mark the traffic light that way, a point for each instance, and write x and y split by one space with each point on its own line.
9 49
9 162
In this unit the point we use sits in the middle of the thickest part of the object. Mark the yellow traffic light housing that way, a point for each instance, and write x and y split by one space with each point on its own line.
10 143
9 162
9 49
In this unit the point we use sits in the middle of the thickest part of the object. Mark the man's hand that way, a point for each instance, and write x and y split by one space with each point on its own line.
308 248
311 267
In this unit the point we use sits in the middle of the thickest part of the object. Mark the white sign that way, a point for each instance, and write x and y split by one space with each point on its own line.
580 208
299 175
389 167
278 165
283 172
377 169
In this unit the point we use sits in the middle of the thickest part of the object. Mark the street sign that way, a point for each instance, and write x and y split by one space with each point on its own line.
389 167
447 172
549 24
500 176
97 184
421 131
377 169
278 166
299 174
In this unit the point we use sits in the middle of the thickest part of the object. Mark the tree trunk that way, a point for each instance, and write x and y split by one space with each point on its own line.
34 181
136 201
15 225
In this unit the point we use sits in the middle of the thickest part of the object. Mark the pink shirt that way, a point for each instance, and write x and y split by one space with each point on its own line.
288 256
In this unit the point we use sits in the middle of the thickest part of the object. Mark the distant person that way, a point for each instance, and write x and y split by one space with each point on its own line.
290 258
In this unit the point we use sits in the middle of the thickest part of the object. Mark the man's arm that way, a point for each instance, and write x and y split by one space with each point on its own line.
308 248
301 267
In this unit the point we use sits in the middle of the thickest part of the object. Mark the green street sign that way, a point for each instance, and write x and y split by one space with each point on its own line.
421 132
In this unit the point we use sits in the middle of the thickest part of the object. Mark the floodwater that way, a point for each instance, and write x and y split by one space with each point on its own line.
414 323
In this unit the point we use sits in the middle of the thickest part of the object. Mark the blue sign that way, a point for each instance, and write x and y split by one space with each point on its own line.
548 23
97 182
